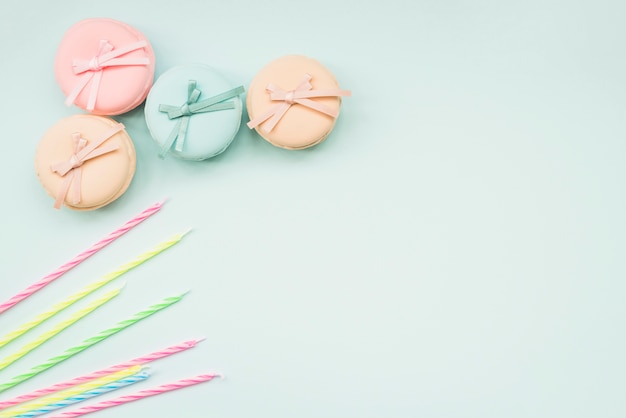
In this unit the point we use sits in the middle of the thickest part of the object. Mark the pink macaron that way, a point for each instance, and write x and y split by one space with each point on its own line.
104 66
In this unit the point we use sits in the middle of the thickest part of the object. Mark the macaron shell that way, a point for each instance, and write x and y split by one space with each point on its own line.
104 178
208 134
300 127
122 88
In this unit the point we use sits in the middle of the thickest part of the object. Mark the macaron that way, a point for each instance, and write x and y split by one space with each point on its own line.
193 112
294 102
104 66
85 161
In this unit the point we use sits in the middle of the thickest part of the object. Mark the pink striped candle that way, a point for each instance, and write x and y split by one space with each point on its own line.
46 280
100 373
137 396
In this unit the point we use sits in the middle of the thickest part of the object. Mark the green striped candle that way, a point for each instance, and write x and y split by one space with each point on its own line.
89 342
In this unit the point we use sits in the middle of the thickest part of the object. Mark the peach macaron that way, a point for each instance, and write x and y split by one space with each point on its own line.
85 161
293 102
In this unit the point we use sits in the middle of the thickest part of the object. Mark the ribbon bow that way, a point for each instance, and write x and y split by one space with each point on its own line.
107 56
191 107
301 95
72 168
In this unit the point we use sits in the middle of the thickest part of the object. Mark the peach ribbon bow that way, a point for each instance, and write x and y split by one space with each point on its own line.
301 95
71 169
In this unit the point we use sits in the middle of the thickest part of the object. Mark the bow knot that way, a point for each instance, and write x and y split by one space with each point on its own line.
184 110
94 64
71 169
191 107
92 69
74 161
289 97
300 95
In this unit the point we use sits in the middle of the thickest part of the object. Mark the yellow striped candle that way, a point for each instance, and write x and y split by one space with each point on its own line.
4 363
67 393
24 328
90 342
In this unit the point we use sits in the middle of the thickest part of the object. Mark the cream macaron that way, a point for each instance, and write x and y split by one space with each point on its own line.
294 102
85 161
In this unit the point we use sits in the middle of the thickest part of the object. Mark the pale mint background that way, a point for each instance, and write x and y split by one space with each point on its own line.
453 250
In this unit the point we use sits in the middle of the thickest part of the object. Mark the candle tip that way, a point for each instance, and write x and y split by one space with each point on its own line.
186 231
199 340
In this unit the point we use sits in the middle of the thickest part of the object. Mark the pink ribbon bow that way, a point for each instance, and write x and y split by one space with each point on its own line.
107 56
72 168
301 95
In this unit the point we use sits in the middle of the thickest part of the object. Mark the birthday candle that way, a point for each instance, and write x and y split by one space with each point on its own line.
108 278
156 355
83 396
103 335
46 280
58 328
137 396
70 392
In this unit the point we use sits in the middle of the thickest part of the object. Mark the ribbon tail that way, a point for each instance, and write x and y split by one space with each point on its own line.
93 94
182 133
317 106
215 107
62 193
119 62
61 168
263 117
234 92
77 176
123 50
84 80
96 143
173 112
280 112
322 93
103 149
170 140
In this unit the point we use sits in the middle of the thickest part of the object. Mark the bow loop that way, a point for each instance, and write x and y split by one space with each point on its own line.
191 107
300 95
84 151
92 68
75 161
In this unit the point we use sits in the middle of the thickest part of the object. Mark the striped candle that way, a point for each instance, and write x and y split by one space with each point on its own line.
70 392
148 358
4 363
103 335
46 280
83 396
108 278
137 396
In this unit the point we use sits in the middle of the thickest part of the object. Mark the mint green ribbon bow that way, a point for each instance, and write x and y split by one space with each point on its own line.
191 107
